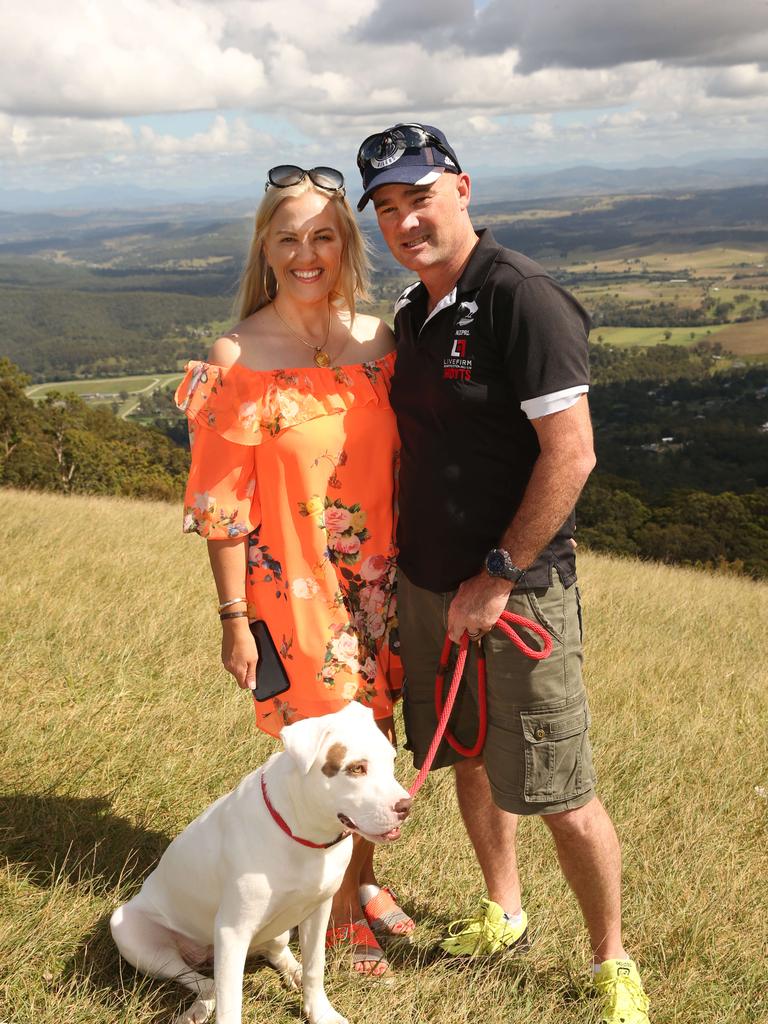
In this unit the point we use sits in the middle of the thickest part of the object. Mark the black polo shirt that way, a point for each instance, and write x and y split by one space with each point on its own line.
507 344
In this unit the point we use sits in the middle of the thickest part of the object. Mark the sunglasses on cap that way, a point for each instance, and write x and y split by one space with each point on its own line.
285 175
384 145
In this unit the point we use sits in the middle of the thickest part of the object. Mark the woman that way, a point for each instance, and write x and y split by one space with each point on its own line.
294 448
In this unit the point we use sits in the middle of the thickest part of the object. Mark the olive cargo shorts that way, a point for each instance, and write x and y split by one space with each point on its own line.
537 752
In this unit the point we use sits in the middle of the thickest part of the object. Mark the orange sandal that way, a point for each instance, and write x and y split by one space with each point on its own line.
365 948
388 921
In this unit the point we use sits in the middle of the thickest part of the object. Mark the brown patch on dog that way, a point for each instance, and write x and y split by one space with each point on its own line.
334 760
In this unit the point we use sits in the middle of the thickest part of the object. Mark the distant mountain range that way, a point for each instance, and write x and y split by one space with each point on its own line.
583 180
580 179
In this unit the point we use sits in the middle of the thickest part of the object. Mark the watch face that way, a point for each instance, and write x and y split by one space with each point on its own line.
495 563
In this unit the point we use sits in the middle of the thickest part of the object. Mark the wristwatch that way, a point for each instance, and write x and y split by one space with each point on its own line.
498 562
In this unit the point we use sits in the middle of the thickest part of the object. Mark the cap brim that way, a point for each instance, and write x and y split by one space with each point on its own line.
403 175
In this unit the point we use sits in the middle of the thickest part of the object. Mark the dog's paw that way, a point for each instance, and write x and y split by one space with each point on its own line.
333 1018
326 1016
292 979
199 1012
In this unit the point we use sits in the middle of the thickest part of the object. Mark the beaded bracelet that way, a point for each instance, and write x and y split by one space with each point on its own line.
233 615
228 604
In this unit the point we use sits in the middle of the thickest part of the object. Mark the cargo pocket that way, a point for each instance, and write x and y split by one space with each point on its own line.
558 758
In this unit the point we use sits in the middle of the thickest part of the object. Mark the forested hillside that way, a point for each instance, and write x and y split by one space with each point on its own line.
62 444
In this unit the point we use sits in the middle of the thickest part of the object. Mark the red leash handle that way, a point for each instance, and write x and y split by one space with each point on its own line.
504 623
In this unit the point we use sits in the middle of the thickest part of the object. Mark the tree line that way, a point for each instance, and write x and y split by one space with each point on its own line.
682 452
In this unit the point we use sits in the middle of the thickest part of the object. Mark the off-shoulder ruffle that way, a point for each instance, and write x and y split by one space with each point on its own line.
252 406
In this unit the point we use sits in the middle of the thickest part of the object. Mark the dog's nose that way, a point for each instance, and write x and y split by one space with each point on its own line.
403 807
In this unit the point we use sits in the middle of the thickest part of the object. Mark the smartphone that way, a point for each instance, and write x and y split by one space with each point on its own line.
271 677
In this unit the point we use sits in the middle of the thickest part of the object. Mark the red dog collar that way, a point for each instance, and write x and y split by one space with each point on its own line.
280 821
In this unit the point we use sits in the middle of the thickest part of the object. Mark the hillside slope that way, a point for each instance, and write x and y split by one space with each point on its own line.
120 726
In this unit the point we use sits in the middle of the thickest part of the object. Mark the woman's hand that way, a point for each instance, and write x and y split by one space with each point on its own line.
238 652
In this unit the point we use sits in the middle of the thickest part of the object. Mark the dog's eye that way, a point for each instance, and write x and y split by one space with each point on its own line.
357 768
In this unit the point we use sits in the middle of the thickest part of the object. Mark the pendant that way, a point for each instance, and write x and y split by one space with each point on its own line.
322 358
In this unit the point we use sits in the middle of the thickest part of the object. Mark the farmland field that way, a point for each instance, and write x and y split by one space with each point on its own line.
108 390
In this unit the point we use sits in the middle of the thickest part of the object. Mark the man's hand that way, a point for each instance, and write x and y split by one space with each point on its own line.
477 605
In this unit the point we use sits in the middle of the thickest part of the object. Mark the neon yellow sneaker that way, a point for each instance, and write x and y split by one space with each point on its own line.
487 932
619 983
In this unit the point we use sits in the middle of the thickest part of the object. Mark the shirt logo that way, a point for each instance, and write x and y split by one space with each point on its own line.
466 314
458 366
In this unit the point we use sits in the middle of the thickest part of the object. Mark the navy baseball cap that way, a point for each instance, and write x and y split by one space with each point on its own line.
406 154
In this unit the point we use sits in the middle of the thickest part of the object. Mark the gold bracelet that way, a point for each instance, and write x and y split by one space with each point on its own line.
228 604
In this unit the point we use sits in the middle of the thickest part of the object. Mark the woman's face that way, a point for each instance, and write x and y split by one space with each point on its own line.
304 246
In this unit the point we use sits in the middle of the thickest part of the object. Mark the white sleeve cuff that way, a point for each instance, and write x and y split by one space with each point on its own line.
556 402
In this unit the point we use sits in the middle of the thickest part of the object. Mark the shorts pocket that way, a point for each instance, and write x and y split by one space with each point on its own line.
548 608
558 756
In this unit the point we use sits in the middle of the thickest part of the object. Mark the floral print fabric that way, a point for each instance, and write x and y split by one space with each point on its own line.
303 462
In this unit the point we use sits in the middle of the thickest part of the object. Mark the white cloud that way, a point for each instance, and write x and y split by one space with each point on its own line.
87 59
541 128
301 80
28 140
221 138
744 80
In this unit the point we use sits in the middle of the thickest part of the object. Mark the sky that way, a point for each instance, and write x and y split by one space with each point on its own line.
208 94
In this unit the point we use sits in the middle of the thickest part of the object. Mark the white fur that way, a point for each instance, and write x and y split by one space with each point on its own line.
233 883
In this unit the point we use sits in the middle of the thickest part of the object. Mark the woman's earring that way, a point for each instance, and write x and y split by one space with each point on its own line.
270 289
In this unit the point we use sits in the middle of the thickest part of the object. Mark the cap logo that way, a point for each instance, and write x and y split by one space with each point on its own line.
387 161
390 154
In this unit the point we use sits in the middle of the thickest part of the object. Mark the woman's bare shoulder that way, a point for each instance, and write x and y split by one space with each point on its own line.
225 351
238 344
374 334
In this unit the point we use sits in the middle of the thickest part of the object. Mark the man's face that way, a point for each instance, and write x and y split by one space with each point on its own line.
424 225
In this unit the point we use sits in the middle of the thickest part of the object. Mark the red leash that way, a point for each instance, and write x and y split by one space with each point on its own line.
444 709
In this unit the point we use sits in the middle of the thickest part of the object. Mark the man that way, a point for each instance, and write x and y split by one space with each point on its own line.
490 392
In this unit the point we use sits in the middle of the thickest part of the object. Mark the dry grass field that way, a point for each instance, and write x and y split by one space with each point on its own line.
712 261
119 727
745 339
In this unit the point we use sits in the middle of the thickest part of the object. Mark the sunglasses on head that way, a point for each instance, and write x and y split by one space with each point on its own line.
401 137
285 175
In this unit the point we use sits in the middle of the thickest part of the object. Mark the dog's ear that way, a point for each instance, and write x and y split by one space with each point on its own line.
303 740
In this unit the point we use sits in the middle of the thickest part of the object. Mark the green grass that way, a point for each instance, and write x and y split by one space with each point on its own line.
633 337
120 726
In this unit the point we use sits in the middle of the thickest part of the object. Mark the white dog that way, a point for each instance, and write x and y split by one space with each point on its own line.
262 859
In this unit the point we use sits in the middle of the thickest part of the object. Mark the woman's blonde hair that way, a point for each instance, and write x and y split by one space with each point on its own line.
258 286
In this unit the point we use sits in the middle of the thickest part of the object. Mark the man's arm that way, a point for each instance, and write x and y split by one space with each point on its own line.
566 459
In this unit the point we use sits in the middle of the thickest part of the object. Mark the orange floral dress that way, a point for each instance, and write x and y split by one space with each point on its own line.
303 462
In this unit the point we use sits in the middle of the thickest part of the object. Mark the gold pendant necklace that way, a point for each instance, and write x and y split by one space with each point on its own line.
320 356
